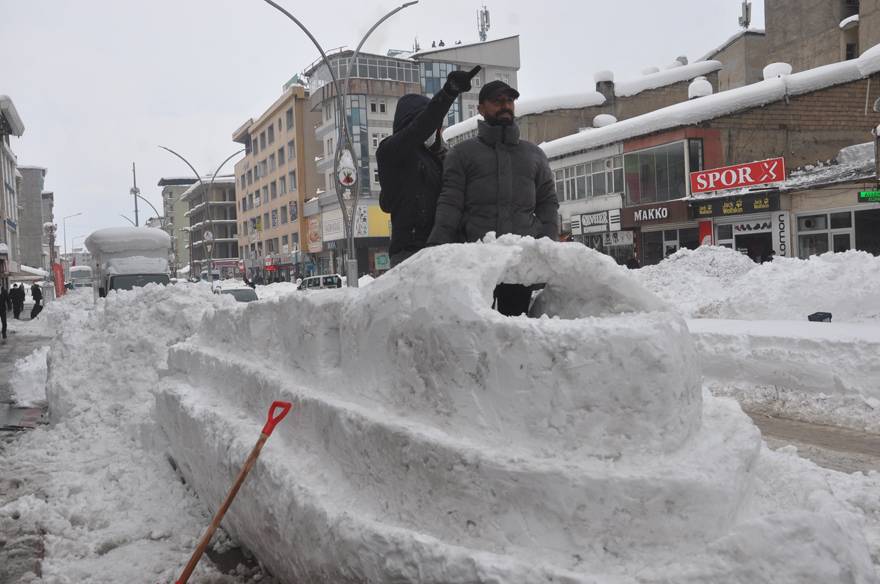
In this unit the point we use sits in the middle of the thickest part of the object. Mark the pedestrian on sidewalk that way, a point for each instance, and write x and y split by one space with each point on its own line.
17 297
497 182
5 304
410 164
37 295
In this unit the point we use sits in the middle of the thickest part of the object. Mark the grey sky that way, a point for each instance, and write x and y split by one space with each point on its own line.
99 83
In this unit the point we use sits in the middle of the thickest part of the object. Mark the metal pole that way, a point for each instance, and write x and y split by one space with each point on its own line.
64 227
135 192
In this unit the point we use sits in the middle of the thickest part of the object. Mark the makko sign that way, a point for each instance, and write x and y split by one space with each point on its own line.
669 212
750 174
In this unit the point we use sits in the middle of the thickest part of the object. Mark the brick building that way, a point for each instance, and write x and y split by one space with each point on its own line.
624 187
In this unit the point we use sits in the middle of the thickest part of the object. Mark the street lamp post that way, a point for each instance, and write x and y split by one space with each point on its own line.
210 186
64 228
346 164
209 249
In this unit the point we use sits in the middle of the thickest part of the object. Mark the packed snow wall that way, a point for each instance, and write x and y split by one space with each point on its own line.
434 440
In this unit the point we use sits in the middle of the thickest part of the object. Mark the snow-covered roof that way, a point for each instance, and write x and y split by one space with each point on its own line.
34 271
719 104
730 41
666 77
451 46
8 111
221 179
533 106
124 239
850 22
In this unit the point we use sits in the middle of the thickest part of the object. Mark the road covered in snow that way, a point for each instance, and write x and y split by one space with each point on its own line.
434 440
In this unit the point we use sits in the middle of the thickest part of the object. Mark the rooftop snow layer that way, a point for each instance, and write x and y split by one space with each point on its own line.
8 111
220 180
719 104
664 78
127 239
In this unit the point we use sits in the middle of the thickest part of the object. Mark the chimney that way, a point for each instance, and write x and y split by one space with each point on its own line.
605 85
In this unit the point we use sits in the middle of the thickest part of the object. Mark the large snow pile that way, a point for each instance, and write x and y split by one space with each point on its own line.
716 282
434 440
111 507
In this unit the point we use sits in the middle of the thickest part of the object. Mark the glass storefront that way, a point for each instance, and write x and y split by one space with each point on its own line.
657 245
660 174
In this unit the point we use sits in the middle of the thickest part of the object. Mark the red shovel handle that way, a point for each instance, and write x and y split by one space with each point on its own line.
277 412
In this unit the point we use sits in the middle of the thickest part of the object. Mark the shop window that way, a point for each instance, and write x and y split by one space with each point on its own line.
689 238
841 220
813 223
652 247
841 242
695 154
656 174
868 231
723 232
814 244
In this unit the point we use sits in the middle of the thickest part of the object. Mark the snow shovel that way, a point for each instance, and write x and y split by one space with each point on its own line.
277 412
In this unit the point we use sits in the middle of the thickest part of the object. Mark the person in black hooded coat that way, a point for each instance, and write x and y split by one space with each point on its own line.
410 164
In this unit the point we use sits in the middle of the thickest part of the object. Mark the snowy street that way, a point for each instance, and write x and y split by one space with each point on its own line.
143 442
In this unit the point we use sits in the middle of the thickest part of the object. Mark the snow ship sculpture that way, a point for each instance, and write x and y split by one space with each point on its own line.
434 440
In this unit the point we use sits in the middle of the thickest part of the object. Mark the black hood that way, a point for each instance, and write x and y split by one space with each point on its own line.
408 107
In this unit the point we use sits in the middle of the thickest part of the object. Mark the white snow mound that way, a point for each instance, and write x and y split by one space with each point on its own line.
435 440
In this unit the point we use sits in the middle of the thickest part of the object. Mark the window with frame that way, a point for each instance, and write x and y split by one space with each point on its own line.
590 179
824 232
281 156
271 134
242 181
265 194
273 190
250 198
282 185
656 174
374 107
262 140
274 218
257 198
282 210
266 220
244 203
289 117
291 181
375 175
272 162
383 107
291 150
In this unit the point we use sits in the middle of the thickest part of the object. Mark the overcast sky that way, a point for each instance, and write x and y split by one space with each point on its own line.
100 83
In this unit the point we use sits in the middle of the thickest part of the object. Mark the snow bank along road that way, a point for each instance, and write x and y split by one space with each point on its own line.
433 440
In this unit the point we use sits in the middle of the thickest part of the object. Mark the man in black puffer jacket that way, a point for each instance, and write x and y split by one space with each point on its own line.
410 164
497 182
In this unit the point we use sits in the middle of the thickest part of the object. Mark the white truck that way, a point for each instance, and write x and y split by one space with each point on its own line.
128 257
80 277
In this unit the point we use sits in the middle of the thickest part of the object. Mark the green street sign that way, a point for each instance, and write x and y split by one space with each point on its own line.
869 197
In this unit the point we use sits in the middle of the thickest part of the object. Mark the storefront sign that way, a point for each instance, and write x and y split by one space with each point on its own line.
314 234
616 238
869 197
594 222
332 226
669 212
781 228
738 205
738 176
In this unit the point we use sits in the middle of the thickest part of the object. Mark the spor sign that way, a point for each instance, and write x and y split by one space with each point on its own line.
741 175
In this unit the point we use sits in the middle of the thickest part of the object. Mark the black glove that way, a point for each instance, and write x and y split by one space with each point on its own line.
460 81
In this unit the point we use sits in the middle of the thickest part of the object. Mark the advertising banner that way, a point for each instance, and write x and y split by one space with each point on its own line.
314 234
781 229
739 175
736 205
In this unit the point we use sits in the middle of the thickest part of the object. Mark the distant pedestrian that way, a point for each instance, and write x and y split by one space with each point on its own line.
5 305
768 257
633 263
17 297
37 295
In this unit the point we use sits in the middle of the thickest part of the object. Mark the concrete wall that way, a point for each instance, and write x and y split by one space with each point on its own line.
30 219
869 24
804 33
743 59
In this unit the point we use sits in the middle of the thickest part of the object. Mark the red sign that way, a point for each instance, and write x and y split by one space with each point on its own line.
740 175
58 273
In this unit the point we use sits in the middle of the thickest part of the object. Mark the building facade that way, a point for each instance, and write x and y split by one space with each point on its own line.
30 226
10 181
376 84
625 188
48 209
273 181
212 208
175 222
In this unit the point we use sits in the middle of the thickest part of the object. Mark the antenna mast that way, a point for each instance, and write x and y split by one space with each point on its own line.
746 19
483 23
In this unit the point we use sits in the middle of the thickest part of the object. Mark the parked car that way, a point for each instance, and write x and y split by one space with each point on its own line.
239 292
321 282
